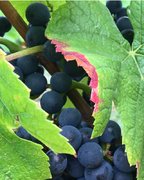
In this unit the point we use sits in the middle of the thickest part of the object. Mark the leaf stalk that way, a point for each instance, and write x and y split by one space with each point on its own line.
24 52
13 47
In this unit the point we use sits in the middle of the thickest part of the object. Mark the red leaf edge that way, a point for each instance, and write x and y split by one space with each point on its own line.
81 61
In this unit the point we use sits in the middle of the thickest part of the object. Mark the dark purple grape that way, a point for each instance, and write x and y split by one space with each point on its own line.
114 6
70 116
28 64
73 70
90 155
52 102
103 172
118 175
37 14
58 163
81 178
112 132
22 133
13 62
128 34
121 162
37 83
66 176
19 72
83 124
5 25
35 36
124 23
50 52
86 134
73 135
122 12
74 168
58 178
60 82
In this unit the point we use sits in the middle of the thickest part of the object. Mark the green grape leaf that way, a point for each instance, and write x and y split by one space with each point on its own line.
126 3
54 4
18 110
86 44
91 37
20 159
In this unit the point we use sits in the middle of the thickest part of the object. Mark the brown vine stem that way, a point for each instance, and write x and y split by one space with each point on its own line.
16 20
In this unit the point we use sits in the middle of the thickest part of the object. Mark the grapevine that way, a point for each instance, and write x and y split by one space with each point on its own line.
72 66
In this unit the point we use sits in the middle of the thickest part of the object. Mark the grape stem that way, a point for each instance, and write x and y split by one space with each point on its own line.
84 87
24 52
13 47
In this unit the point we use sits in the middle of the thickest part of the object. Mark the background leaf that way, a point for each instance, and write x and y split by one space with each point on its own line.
55 4
21 6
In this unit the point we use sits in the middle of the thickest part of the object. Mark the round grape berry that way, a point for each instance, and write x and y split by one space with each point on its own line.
70 116
103 172
5 25
73 70
37 83
90 155
52 102
128 34
28 64
122 12
37 14
114 6
35 36
58 163
60 82
124 23
111 132
73 135
74 168
118 175
121 162
50 52
86 134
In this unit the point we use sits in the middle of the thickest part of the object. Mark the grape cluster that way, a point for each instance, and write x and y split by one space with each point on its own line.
32 74
121 19
101 158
